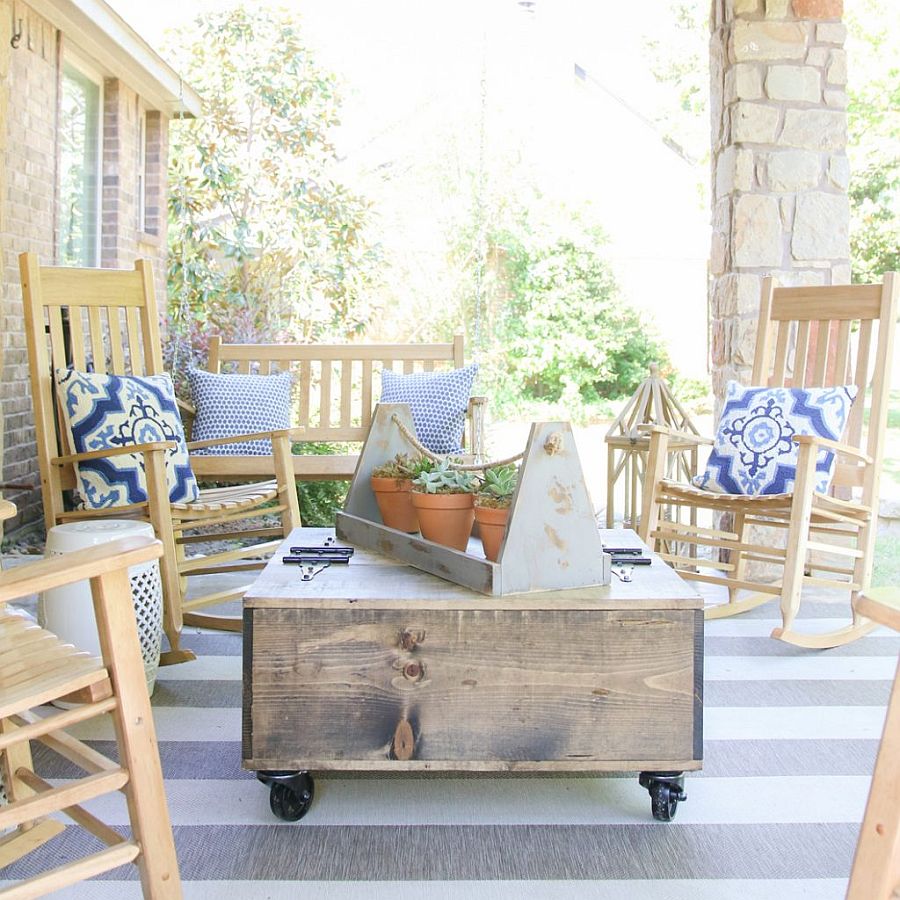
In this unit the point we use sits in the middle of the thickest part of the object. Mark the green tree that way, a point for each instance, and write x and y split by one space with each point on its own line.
265 242
568 335
874 140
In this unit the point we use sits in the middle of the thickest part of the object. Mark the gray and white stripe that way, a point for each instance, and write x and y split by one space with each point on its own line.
790 740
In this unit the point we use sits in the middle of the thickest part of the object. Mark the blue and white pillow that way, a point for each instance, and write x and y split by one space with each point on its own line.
438 402
108 411
754 452
239 404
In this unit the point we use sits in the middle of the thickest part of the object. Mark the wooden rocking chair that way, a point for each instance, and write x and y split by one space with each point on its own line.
107 321
36 667
823 328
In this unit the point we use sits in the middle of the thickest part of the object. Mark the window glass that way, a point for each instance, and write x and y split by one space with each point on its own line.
79 170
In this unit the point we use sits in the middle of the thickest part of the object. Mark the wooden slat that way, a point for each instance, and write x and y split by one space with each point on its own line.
823 339
243 366
763 350
116 339
408 366
309 352
801 351
76 333
69 794
325 394
842 352
304 388
366 414
64 286
98 351
80 870
57 342
863 351
829 302
779 367
135 348
346 392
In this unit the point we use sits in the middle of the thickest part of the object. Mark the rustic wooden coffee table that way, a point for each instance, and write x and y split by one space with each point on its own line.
376 666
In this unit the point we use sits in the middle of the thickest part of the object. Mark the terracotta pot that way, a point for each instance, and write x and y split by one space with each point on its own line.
492 526
393 498
445 518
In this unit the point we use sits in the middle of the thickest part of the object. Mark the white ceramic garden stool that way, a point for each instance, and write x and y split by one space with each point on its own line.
69 611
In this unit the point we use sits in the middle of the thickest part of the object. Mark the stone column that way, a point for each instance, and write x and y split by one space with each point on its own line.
779 166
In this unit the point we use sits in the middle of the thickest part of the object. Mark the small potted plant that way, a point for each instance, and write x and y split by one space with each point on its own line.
391 483
444 503
492 507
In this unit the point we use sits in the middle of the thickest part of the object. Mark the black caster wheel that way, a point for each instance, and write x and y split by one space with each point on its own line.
666 790
290 793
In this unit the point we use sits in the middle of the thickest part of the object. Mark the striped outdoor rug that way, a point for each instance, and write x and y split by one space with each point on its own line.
791 737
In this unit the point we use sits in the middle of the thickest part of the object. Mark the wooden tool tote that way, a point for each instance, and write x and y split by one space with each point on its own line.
551 543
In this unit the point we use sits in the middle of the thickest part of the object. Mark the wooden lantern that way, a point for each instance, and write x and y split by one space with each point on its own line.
651 404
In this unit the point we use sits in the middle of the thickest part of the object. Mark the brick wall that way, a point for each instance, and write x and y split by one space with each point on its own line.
28 215
29 220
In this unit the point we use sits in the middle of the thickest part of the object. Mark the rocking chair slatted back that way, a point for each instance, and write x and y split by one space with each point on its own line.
815 333
92 319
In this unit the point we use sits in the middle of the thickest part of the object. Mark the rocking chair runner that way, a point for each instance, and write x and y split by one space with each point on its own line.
832 535
113 327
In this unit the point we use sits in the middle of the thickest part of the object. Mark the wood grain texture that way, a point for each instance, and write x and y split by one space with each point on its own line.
585 686
376 666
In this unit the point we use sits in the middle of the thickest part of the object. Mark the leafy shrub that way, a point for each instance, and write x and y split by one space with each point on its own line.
320 499
568 335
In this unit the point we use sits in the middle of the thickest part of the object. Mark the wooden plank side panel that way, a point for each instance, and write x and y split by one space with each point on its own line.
473 685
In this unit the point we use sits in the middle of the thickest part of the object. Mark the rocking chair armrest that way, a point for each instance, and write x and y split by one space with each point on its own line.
838 446
292 434
7 510
685 436
78 565
112 451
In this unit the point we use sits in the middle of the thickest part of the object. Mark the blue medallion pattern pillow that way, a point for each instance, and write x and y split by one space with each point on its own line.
438 402
754 452
108 411
239 404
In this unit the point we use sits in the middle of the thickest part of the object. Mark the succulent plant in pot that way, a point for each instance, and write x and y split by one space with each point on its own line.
391 483
443 500
492 505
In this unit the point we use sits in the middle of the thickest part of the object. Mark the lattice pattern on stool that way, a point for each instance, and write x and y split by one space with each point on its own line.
146 591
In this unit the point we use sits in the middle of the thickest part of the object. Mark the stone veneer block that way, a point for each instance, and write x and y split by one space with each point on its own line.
821 229
745 7
818 57
778 9
734 171
767 41
794 83
836 73
831 33
757 231
839 171
814 129
818 9
747 82
836 98
753 123
793 170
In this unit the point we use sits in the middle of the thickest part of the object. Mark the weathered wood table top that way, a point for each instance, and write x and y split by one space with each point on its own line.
378 582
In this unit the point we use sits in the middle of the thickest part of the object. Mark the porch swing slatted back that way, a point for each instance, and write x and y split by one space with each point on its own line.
334 385
94 320
830 336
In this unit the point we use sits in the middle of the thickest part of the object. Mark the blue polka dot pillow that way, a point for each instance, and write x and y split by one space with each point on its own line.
754 452
438 402
109 411
239 404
